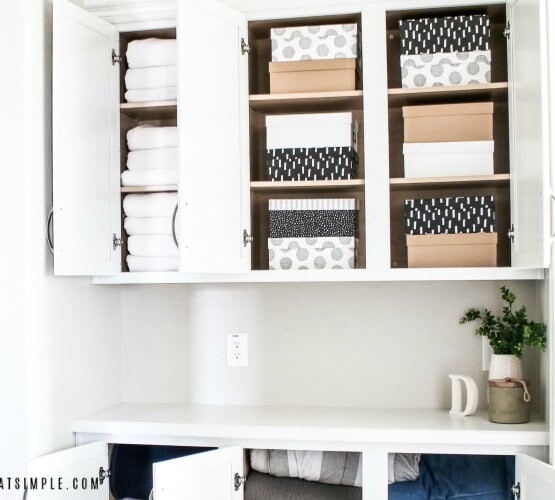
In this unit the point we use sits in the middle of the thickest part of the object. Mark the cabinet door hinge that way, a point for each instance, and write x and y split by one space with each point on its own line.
116 242
511 233
507 31
103 474
238 480
245 49
247 238
115 57
515 489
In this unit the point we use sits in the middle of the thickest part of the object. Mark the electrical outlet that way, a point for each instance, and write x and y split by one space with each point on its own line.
237 349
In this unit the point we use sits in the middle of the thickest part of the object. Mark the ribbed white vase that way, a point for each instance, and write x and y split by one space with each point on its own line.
504 366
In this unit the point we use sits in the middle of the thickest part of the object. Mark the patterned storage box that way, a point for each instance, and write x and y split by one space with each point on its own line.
445 51
312 218
302 43
303 164
462 214
311 253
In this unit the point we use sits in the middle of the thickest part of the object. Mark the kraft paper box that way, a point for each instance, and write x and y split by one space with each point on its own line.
325 75
452 250
471 121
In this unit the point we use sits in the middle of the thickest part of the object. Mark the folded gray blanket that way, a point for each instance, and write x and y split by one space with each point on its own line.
330 467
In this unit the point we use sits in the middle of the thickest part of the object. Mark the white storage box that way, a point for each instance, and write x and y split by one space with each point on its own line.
318 130
445 159
311 253
301 43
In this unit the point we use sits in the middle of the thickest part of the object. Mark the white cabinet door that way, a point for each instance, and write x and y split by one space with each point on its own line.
213 138
71 474
528 93
205 476
535 479
85 143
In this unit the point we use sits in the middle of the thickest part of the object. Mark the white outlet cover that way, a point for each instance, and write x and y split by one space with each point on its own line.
237 349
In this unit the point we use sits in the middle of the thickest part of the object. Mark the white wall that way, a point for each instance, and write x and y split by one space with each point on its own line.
12 249
385 345
73 328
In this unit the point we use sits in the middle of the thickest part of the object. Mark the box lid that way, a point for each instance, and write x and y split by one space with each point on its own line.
305 119
312 65
432 148
467 108
351 28
420 240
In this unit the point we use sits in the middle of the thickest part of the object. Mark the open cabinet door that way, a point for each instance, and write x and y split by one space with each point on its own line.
73 474
534 479
85 143
528 94
211 475
213 138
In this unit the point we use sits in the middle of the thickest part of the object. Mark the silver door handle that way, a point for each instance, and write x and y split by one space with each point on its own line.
173 225
49 236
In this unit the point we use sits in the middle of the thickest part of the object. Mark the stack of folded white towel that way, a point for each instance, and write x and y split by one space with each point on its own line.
152 73
152 157
148 223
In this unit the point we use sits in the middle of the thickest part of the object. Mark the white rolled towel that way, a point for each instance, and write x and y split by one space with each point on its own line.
152 264
150 205
166 177
151 52
149 225
152 245
151 78
148 137
150 159
151 95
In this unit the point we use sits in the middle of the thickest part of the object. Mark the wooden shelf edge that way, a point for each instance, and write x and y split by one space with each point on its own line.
147 105
147 189
305 96
277 185
476 179
462 89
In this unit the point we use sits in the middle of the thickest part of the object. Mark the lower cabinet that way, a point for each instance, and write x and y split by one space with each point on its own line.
162 472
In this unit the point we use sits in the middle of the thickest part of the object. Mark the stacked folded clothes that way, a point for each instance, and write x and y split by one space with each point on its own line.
152 157
150 228
152 73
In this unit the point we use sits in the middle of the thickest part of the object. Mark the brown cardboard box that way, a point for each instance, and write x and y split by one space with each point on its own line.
312 76
471 121
452 250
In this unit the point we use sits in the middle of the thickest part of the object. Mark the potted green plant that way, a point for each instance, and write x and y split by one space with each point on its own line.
508 334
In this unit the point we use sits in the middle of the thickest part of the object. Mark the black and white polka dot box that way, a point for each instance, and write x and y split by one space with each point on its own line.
304 43
445 51
450 215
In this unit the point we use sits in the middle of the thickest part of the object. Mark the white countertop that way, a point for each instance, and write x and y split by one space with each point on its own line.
360 425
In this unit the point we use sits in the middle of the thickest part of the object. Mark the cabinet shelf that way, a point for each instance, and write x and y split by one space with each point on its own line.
305 185
399 183
159 110
401 96
306 101
148 189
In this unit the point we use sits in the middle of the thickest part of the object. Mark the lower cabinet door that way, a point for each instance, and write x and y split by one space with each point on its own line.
216 474
76 474
535 480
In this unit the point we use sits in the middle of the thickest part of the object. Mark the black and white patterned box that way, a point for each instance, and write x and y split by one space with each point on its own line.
312 218
462 214
304 164
444 34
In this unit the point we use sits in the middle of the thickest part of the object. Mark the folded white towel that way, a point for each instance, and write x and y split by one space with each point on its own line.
150 205
151 52
151 95
151 78
148 137
152 245
149 225
152 264
150 159
166 177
